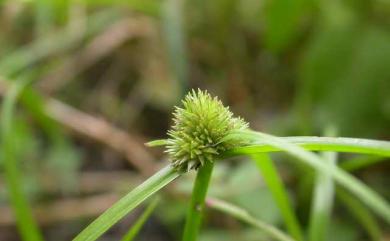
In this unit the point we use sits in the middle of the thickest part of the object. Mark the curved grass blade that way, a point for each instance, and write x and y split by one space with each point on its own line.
127 203
279 193
195 211
335 144
377 203
134 230
24 218
361 162
244 216
360 212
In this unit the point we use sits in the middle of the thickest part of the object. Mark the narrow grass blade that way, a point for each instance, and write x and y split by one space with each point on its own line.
244 216
195 211
279 193
24 218
335 144
377 203
134 230
126 204
360 212
322 201
361 162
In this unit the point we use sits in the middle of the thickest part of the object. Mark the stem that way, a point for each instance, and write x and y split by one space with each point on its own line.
322 202
335 144
126 204
194 215
279 193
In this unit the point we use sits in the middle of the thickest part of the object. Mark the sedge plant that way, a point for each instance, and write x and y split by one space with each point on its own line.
204 132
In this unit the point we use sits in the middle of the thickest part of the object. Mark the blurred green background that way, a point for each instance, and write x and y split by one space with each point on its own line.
101 78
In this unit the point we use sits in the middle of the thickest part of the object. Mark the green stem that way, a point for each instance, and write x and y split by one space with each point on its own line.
279 193
194 215
322 202
127 203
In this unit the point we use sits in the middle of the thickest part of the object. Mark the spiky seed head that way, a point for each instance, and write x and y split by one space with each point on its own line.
197 135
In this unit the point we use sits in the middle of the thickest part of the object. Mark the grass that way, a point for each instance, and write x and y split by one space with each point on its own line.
135 197
126 204
279 193
244 216
314 143
13 176
258 145
362 215
217 45
377 203
137 226
322 202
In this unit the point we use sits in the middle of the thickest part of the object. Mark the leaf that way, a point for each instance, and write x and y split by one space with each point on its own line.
244 216
361 162
161 142
126 204
279 193
377 203
134 230
314 143
360 212
24 218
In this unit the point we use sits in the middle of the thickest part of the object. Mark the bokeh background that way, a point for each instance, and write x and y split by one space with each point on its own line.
102 78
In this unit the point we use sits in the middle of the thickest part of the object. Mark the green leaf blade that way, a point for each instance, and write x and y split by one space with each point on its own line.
279 193
134 230
126 204
244 216
26 224
377 203
335 144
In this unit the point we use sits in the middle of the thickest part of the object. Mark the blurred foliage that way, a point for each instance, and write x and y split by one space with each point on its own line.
289 67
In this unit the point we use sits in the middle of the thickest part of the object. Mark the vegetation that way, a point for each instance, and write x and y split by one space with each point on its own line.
84 84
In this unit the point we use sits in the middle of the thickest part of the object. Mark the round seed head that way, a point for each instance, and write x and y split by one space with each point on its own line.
197 135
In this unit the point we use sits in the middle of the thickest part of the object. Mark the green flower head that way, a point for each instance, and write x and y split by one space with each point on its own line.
199 130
